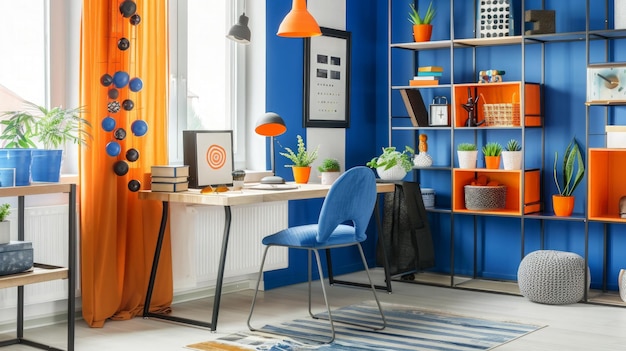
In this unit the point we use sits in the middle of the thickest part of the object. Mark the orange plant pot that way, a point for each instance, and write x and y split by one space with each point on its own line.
492 162
301 174
563 206
422 32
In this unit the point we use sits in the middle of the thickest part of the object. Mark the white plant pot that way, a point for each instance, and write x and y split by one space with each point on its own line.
512 159
393 173
5 232
467 159
329 178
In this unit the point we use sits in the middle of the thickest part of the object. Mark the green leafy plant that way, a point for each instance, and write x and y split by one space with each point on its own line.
5 211
415 18
50 128
329 165
391 157
303 158
466 147
513 145
572 160
492 149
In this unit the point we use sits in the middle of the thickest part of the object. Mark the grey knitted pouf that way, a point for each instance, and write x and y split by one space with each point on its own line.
552 277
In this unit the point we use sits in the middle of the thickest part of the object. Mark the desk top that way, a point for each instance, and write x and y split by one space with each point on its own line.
248 195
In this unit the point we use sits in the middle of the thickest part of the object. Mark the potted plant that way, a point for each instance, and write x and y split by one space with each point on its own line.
563 202
512 155
49 128
5 225
492 153
301 161
329 170
467 154
422 29
393 164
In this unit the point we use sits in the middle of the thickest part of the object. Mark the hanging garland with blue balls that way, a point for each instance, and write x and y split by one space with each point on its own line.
122 92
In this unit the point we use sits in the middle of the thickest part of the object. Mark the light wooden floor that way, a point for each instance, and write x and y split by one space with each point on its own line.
583 327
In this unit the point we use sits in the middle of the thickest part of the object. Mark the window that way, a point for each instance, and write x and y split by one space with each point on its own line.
25 55
204 68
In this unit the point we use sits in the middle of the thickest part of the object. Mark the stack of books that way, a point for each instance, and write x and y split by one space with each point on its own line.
170 179
427 75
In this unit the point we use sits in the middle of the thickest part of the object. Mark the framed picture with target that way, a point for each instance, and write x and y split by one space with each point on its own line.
209 155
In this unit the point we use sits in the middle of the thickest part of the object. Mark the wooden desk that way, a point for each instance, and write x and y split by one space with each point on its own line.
228 199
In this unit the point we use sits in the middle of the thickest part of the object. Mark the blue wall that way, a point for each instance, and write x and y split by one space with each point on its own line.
285 67
499 240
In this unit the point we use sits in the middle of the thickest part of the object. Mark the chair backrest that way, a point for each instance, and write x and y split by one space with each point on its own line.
351 198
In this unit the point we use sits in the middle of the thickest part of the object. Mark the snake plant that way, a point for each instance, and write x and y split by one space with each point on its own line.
572 160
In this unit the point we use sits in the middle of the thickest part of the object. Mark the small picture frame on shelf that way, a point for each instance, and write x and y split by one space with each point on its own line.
606 83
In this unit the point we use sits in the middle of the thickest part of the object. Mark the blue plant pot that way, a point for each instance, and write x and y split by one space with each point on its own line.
46 165
20 161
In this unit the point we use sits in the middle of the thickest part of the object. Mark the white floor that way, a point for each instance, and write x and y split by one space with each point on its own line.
583 327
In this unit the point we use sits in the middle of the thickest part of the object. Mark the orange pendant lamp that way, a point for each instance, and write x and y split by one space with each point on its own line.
299 23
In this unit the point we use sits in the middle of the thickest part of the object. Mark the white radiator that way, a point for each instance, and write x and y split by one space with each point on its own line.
46 227
197 233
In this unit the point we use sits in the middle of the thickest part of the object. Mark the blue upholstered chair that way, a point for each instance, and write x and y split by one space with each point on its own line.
342 222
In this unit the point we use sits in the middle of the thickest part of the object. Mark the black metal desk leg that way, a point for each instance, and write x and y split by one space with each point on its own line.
221 268
155 260
218 285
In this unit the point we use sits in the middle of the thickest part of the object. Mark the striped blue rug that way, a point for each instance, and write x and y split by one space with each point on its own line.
407 329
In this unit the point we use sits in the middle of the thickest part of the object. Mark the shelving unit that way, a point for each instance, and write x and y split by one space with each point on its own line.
42 272
526 199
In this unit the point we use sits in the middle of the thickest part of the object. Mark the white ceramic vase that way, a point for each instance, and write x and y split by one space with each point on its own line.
329 178
512 160
5 232
393 173
467 159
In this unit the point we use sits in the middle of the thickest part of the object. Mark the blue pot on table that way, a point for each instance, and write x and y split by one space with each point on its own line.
15 167
46 165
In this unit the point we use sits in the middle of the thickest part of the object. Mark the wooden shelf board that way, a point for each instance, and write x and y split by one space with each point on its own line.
503 212
504 287
607 218
605 102
605 298
488 41
425 45
39 274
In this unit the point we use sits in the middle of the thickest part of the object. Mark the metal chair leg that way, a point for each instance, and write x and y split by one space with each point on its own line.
256 289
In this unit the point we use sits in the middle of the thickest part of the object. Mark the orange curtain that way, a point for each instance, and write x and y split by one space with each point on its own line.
118 231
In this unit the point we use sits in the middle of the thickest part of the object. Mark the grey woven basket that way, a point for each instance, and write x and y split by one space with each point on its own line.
480 198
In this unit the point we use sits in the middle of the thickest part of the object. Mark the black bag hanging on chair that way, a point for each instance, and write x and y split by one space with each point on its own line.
406 232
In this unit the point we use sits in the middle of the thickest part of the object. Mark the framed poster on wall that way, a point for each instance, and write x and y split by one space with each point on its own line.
327 80
209 155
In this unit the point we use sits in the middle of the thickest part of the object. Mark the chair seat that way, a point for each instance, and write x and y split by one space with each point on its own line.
305 236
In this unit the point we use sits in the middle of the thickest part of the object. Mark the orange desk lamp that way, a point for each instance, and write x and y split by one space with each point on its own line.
271 125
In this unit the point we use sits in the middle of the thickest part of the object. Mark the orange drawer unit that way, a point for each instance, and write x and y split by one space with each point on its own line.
513 181
606 184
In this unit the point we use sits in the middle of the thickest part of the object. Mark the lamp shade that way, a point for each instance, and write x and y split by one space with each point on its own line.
270 124
299 23
240 31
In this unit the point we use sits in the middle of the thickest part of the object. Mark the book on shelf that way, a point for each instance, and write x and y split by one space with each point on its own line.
426 78
170 171
430 69
169 179
429 74
169 187
415 82
415 107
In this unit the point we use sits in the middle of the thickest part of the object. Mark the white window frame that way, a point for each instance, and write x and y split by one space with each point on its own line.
177 121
